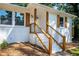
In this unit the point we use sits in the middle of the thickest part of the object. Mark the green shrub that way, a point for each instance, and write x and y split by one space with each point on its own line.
4 44
74 52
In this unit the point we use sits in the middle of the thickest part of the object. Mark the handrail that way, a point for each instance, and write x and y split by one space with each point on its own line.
41 42
50 38
55 31
64 38
47 35
43 31
56 42
39 38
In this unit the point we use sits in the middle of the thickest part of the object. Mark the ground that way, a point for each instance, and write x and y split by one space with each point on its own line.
75 51
22 49
27 49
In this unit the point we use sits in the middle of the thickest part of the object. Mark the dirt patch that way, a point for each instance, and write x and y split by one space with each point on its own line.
22 49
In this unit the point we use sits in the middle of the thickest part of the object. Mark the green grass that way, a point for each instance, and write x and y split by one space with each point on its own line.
74 52
4 44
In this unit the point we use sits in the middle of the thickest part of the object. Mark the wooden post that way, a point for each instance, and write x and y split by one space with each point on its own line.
47 21
50 46
65 22
35 20
64 43
27 19
58 21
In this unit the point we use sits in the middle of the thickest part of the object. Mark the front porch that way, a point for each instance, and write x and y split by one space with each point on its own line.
45 35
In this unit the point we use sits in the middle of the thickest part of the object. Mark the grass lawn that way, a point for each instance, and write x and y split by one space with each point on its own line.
74 52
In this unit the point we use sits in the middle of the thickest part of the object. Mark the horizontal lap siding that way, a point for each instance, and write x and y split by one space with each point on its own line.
17 34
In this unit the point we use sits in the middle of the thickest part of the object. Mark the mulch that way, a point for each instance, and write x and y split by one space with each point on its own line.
28 49
22 49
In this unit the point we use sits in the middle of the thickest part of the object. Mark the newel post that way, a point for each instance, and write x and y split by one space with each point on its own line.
47 21
50 46
64 43
35 11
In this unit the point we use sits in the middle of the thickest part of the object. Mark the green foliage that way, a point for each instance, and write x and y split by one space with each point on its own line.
3 45
74 52
21 4
76 28
66 7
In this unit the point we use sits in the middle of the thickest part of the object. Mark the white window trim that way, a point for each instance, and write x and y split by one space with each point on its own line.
13 18
13 22
7 24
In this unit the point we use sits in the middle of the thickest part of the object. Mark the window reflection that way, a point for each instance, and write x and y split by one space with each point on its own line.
19 18
5 17
61 22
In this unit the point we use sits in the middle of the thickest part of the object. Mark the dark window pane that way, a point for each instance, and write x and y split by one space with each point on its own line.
5 17
61 21
19 18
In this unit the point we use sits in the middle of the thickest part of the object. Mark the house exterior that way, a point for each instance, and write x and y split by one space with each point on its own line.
37 24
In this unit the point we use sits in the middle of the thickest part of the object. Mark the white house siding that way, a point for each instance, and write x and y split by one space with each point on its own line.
14 34
53 23
35 40
69 36
32 26
3 33
67 31
43 21
64 31
19 34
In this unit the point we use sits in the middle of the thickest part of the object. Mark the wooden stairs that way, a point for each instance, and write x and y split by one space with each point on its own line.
50 39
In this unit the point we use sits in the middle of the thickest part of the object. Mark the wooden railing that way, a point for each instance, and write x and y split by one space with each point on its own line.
49 49
50 38
63 37
41 42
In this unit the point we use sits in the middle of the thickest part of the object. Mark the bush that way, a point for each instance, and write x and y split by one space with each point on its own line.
74 52
3 45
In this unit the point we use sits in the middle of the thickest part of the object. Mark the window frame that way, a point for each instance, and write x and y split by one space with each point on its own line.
63 22
15 20
11 19
58 21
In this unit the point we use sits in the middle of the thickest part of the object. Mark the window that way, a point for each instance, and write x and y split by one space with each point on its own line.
61 22
5 17
19 18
